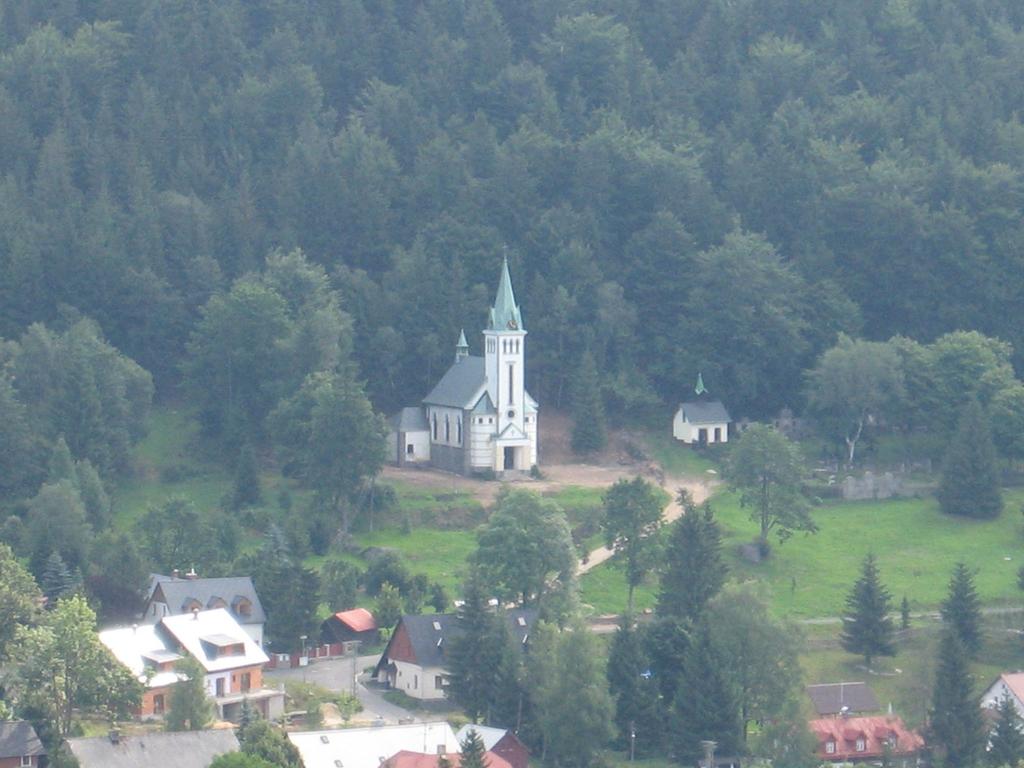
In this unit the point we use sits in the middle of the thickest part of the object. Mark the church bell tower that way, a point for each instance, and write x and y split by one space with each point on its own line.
504 356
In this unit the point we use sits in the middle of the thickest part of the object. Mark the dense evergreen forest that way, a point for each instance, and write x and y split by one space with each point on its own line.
680 185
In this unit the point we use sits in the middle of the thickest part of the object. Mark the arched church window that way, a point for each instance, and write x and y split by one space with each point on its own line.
435 426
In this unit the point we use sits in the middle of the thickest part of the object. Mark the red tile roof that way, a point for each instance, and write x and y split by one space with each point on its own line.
358 619
406 759
844 733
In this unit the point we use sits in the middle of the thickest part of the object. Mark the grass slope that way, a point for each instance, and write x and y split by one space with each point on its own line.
810 575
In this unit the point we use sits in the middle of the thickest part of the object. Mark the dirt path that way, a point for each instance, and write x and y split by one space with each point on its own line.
556 477
699 490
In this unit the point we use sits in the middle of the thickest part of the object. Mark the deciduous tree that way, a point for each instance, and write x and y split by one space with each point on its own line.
189 708
632 519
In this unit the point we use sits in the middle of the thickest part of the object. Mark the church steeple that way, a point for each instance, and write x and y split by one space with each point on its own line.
461 347
504 315
700 389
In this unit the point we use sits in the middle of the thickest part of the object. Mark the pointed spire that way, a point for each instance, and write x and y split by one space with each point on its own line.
700 388
461 347
505 314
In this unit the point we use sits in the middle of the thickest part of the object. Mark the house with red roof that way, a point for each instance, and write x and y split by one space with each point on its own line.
357 624
406 759
1009 684
866 740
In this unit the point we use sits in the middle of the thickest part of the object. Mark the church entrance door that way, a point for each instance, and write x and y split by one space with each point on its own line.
510 458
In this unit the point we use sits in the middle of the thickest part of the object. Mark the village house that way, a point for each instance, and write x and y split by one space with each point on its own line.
232 661
479 418
407 759
415 660
154 749
842 740
177 595
499 742
20 747
836 699
371 747
702 420
356 625
1007 684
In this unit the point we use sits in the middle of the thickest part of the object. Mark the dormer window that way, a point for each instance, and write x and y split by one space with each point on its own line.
243 606
860 745
830 747
216 602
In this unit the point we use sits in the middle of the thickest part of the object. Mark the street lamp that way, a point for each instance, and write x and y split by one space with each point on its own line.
632 740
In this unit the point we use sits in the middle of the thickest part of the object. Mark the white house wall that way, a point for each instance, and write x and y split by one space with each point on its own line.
481 454
690 433
995 694
418 682
420 442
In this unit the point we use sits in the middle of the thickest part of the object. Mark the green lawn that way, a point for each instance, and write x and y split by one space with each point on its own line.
441 555
810 575
679 459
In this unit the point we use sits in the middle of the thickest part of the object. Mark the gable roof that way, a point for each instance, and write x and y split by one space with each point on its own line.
704 412
831 698
409 419
409 759
178 592
182 749
134 646
1014 681
488 735
196 632
18 739
430 634
461 386
844 732
358 619
368 747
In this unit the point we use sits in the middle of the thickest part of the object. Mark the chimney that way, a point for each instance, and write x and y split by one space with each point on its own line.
114 735
192 575
195 614
135 628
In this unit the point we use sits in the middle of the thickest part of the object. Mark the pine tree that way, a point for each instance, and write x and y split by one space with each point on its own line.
867 628
957 728
247 490
638 709
475 655
705 705
961 611
589 433
1006 740
58 580
905 613
694 571
473 753
970 481
62 465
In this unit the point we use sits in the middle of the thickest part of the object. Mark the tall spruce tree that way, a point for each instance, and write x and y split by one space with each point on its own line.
867 627
705 705
475 654
957 729
632 519
589 432
970 478
961 610
58 580
638 711
694 571
246 491
1006 742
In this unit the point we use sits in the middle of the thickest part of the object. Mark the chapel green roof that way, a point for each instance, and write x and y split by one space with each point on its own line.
504 315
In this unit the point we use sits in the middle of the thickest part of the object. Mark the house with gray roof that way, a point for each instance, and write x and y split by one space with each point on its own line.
415 660
478 418
20 746
702 420
175 595
181 749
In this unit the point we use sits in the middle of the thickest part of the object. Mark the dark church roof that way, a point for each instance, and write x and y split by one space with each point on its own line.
705 412
18 739
459 387
832 698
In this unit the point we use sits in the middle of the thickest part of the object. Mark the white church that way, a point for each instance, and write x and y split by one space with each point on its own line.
479 417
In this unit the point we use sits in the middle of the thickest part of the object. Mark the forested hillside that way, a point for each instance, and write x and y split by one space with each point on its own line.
681 185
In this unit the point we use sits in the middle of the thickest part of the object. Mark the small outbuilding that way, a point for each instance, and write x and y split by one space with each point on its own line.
702 420
20 747
357 624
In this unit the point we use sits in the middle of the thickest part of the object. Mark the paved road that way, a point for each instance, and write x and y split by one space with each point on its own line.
336 675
